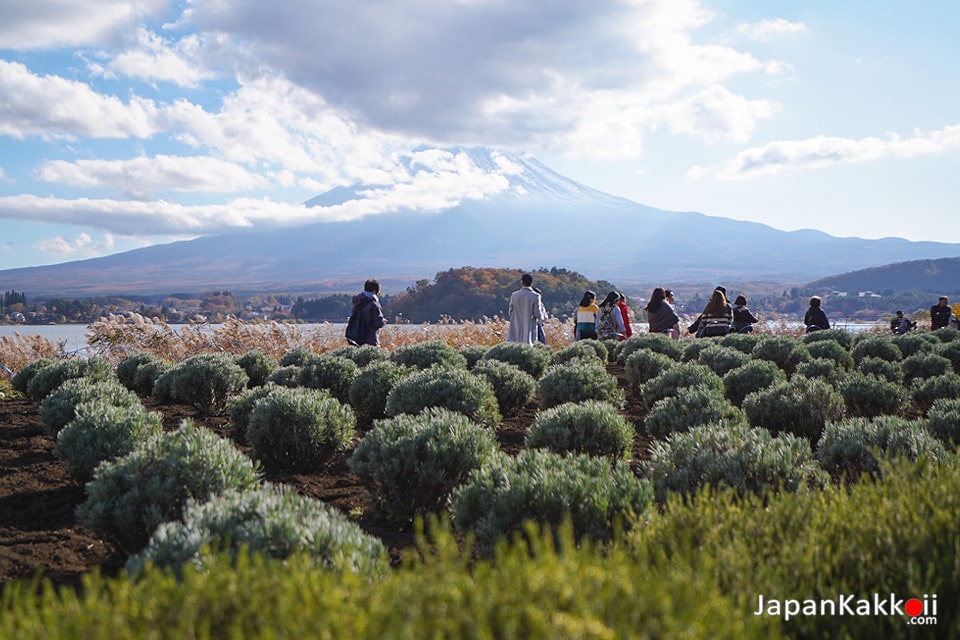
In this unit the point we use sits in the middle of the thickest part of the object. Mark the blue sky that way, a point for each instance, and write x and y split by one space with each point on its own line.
124 123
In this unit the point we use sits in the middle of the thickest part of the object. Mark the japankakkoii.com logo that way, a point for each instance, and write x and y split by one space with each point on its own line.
917 611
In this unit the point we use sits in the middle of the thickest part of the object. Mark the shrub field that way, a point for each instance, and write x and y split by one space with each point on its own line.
258 481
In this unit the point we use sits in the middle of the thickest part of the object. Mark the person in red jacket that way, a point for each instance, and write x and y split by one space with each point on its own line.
625 312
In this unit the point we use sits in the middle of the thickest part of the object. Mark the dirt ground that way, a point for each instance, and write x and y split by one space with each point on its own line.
38 496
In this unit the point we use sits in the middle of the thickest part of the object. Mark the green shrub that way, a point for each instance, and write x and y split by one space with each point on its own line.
680 376
689 408
746 459
916 342
850 447
21 379
881 368
946 334
286 376
925 392
241 406
102 431
47 378
473 353
531 359
139 372
371 386
869 396
943 421
643 365
722 360
299 429
423 355
822 368
753 376
271 520
840 336
258 366
785 352
331 373
691 352
610 347
925 365
512 387
800 406
657 342
59 407
593 493
411 464
951 351
128 497
832 350
591 427
297 357
876 346
205 381
362 355
579 349
744 342
454 389
576 381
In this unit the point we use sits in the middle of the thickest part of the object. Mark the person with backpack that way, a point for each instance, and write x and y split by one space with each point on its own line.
610 321
366 317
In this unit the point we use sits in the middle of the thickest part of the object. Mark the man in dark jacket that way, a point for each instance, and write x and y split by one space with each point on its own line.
367 305
940 314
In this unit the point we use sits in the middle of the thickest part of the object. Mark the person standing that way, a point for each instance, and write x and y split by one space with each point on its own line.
586 317
743 318
610 322
625 314
366 316
940 314
526 312
901 324
815 319
661 316
541 334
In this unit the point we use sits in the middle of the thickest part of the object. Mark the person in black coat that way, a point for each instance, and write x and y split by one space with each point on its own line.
743 319
815 318
940 314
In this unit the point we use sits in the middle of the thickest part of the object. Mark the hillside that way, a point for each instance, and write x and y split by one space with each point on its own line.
940 276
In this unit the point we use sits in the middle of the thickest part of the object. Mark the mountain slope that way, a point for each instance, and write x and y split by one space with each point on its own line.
539 219
938 276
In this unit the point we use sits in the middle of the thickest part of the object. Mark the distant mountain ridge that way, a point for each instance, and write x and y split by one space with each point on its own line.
539 219
941 276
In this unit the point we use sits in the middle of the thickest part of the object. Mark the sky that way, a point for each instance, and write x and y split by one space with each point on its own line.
126 123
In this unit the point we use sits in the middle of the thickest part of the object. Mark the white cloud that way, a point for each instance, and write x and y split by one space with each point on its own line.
156 59
52 107
83 246
138 177
769 29
822 151
716 114
48 24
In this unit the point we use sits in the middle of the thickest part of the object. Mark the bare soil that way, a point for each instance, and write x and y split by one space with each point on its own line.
38 495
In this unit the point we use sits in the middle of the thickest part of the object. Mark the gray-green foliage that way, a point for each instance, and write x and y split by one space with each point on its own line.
258 366
744 458
579 349
297 357
722 360
139 371
531 359
876 346
205 381
362 355
801 406
21 379
841 337
925 392
744 342
371 386
916 342
473 353
271 520
881 368
512 386
576 381
752 376
102 431
129 496
943 421
822 368
689 408
332 373
423 355
593 493
643 365
47 378
685 374
299 429
691 352
951 351
832 350
455 389
241 406
852 446
59 407
946 334
785 352
654 342
591 427
286 376
925 365
868 396
411 463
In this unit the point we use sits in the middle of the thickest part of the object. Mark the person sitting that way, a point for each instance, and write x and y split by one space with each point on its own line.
743 318
901 324
717 316
661 316
587 316
815 319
